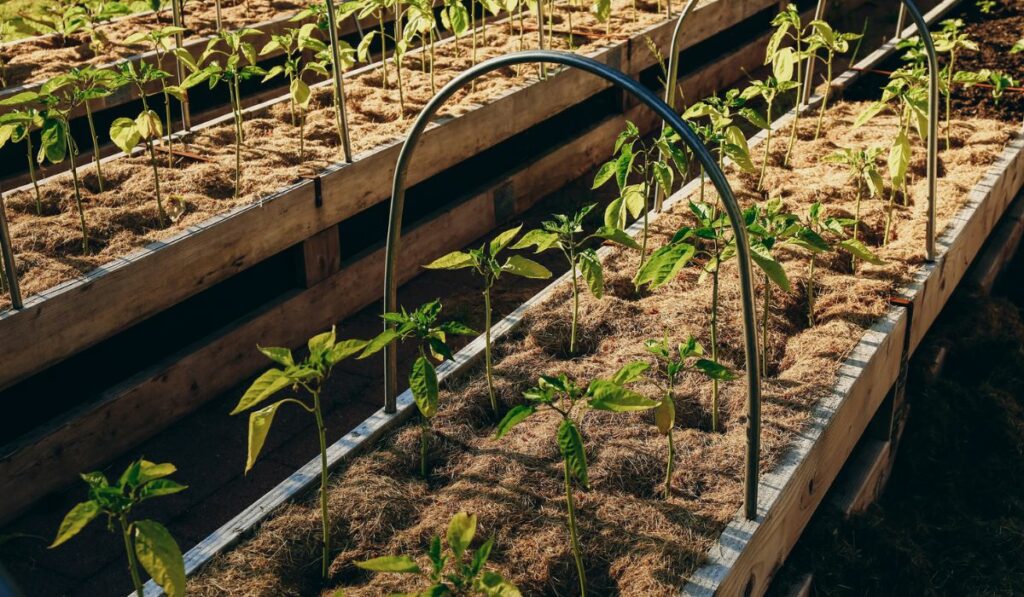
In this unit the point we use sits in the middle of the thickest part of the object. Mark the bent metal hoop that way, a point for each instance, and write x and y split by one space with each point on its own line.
673 120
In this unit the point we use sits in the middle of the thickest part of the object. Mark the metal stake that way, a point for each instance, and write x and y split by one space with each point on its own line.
819 14
8 258
671 82
179 21
718 178
339 85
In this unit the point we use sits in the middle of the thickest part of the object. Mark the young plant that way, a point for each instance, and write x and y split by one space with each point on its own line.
565 232
722 134
431 338
464 576
17 126
239 64
127 133
788 24
669 365
769 90
422 23
952 40
571 401
296 44
484 261
146 542
378 9
634 155
161 42
835 229
863 171
85 85
455 18
325 351
823 37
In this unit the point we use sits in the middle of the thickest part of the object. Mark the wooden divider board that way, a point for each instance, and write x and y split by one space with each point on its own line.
84 311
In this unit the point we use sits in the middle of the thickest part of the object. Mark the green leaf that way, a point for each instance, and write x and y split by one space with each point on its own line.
610 396
542 239
604 174
570 443
150 471
53 142
403 564
125 134
664 265
457 328
665 415
664 176
630 372
870 112
617 235
380 341
784 64
300 93
526 268
149 125
160 487
590 268
265 386
714 370
899 159
860 251
76 520
160 556
493 584
281 356
321 343
614 217
514 417
423 384
634 200
480 556
502 240
768 264
461 530
453 260
259 426
623 167
344 349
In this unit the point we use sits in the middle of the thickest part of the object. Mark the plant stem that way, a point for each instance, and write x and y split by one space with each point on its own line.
324 514
575 301
949 91
398 59
95 145
32 174
133 565
796 109
424 433
824 99
433 85
237 109
161 214
384 46
670 463
302 134
167 117
810 293
714 342
764 326
577 552
488 366
767 148
856 223
78 194
888 215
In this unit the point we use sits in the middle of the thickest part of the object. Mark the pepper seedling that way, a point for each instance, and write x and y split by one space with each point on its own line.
17 126
422 23
565 232
863 172
571 401
325 351
294 43
146 542
88 84
484 261
769 90
951 40
457 572
431 337
161 42
788 24
823 37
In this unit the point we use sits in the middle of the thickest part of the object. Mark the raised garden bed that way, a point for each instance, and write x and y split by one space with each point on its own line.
629 528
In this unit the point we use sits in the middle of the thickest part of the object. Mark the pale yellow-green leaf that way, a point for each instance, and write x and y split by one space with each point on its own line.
160 556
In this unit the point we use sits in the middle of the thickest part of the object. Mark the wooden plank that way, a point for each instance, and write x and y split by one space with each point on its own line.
321 256
82 312
1000 249
863 478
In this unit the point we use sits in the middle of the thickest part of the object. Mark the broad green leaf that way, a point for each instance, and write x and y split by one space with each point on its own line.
604 174
149 125
899 159
160 487
860 251
755 118
160 556
875 183
617 235
461 530
714 370
344 349
453 260
125 134
53 141
623 167
259 426
610 396
480 556
664 176
300 93
20 98
570 443
403 564
614 215
772 268
493 584
457 328
664 264
321 343
265 386
665 415
590 268
513 417
542 239
502 240
630 372
784 64
380 341
870 112
75 520
527 268
423 384
281 356
149 471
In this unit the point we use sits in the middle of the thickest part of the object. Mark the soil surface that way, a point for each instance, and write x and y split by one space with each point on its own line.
996 33
123 218
951 521
635 543
37 59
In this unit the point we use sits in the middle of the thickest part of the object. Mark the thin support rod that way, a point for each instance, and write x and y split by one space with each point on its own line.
819 14
901 21
339 85
688 137
8 259
672 81
179 20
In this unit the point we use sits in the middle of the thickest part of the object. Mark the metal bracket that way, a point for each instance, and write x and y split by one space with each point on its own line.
318 188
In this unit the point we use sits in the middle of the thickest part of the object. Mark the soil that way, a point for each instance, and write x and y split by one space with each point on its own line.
634 542
37 59
997 32
123 218
950 521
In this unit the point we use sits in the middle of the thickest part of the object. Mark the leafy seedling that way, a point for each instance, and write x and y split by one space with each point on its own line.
161 42
325 351
863 172
17 126
459 571
952 40
296 44
571 401
769 90
788 25
565 233
823 37
485 262
146 542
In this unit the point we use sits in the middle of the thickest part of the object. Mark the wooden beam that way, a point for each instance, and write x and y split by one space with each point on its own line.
321 257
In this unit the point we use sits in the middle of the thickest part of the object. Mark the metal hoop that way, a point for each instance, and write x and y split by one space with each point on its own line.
686 134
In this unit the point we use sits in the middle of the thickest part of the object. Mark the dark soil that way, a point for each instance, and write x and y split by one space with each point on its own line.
996 32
